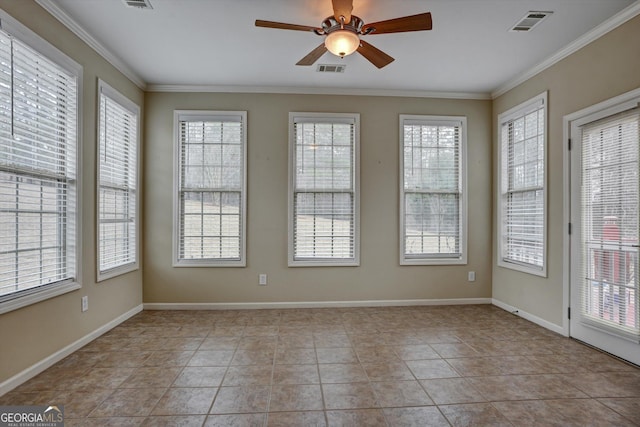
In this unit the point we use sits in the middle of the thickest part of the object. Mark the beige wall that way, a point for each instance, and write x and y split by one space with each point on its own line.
35 332
379 276
605 68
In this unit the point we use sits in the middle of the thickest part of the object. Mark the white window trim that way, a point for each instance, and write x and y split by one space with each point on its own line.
517 111
204 115
329 118
435 260
14 27
109 91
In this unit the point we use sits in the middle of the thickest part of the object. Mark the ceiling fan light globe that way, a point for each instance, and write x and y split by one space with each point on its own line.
342 42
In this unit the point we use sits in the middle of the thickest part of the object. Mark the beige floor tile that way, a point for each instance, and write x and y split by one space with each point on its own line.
376 353
336 355
605 384
237 400
342 373
296 374
416 352
168 358
582 412
105 422
129 402
426 416
453 350
446 391
236 420
151 377
387 371
295 356
78 403
349 396
174 421
469 360
200 377
330 340
248 375
296 340
295 398
429 369
101 378
627 407
211 358
358 417
289 419
530 413
220 343
253 357
400 393
474 414
189 401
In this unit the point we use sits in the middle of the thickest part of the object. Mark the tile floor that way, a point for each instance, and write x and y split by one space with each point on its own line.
392 366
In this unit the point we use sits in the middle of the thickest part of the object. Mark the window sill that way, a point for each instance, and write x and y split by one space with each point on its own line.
39 295
324 263
540 271
116 271
433 261
208 263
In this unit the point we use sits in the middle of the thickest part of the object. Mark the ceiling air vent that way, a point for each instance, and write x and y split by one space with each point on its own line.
140 4
529 21
331 68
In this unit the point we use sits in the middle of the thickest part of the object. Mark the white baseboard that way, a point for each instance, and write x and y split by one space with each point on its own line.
530 317
313 304
32 371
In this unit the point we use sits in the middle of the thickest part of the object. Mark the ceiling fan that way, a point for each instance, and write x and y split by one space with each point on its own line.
342 33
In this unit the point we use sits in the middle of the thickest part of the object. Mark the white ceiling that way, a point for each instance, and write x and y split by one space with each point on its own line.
215 42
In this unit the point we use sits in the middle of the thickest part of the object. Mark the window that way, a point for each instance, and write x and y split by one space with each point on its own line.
432 193
323 174
211 188
117 183
521 210
39 151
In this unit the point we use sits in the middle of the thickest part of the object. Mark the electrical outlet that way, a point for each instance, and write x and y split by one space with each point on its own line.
85 303
471 276
262 279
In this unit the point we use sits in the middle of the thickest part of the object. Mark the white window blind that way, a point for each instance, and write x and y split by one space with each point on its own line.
610 222
38 160
522 222
432 192
324 198
117 183
211 193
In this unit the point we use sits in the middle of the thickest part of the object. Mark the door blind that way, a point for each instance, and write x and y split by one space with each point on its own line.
38 101
609 270
117 184
324 199
432 190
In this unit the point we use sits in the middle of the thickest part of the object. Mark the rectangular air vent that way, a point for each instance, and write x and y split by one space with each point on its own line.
140 4
529 21
331 68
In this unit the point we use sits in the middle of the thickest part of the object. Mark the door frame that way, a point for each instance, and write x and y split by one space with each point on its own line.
630 98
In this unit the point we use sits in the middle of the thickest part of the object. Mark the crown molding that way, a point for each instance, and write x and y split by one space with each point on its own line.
72 25
612 23
317 91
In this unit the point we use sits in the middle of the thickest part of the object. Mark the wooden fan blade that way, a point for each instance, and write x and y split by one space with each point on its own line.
342 8
374 55
419 22
284 26
313 56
